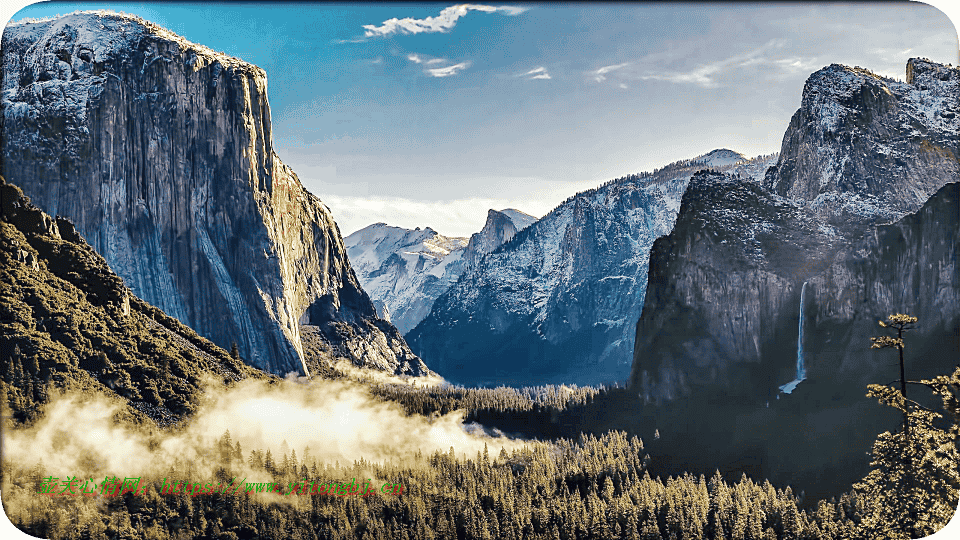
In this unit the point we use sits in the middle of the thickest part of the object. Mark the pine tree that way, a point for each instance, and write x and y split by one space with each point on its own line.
901 323
913 487
268 462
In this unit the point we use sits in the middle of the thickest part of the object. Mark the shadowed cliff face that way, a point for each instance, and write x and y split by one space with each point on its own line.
723 297
161 152
719 329
718 333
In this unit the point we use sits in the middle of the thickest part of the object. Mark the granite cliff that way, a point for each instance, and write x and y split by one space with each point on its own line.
161 152
68 322
723 299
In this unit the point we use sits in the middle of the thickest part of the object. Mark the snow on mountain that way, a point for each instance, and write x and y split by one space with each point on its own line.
520 219
861 207
559 300
405 270
720 158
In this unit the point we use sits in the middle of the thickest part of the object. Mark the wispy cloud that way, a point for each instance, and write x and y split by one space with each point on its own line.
708 75
600 74
701 76
418 59
449 70
537 73
445 71
443 22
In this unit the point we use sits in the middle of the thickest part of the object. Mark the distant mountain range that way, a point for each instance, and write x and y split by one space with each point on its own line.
405 270
160 151
558 301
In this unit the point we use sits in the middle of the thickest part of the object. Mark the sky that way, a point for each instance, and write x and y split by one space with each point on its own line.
429 114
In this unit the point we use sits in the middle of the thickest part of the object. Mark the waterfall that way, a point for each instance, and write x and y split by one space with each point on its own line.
801 370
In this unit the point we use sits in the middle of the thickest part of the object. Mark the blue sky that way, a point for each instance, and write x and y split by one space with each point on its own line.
429 114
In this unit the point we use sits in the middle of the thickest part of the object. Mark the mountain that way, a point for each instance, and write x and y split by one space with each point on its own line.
724 296
499 228
761 301
405 270
864 147
68 321
161 152
557 302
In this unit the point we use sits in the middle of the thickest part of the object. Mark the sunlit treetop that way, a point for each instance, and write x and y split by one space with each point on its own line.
883 342
898 320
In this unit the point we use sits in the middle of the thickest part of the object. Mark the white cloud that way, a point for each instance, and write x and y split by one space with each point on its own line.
600 74
419 59
449 70
445 71
702 76
459 217
443 22
537 73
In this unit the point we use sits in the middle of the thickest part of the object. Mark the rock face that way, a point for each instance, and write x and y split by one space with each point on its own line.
405 270
723 298
910 266
161 152
557 302
499 228
863 147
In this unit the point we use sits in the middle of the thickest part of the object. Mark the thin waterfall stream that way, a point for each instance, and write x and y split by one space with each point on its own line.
801 370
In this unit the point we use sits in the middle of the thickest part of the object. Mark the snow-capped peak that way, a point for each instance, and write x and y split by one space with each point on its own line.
720 157
521 220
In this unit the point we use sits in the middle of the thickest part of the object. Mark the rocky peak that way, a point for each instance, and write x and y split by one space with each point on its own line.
864 147
499 228
922 72
404 270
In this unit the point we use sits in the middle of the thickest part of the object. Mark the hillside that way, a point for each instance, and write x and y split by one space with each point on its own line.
68 322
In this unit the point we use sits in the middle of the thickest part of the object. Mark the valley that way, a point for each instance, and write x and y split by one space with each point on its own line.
678 353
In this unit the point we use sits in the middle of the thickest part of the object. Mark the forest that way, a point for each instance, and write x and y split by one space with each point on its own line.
591 487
